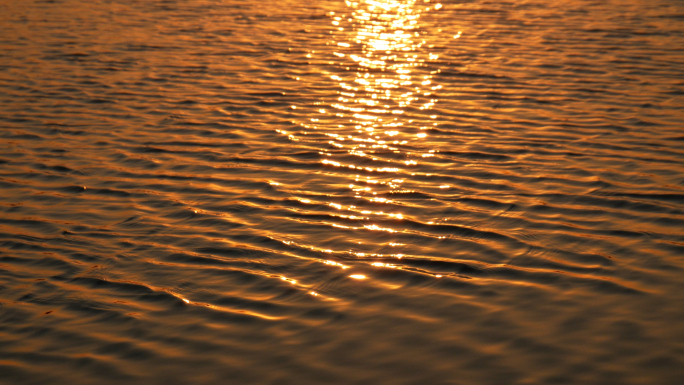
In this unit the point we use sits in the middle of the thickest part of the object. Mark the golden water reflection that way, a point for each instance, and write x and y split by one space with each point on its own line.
378 123
385 86
381 52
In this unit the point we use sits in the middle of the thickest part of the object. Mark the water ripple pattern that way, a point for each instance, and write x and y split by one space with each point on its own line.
353 192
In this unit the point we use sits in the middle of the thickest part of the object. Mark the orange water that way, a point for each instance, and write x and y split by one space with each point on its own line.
370 192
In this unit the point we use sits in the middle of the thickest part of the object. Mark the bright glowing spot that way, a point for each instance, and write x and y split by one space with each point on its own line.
358 276
333 263
378 228
326 161
380 264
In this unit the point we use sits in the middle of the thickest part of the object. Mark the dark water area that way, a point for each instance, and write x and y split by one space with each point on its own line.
364 192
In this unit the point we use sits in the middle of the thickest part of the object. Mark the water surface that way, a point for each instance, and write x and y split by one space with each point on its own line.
361 192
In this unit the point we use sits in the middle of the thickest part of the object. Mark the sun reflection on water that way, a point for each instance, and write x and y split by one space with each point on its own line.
378 123
386 84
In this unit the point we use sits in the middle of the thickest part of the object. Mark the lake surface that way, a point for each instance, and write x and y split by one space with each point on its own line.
364 192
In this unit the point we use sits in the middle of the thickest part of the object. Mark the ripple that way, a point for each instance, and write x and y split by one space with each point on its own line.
341 192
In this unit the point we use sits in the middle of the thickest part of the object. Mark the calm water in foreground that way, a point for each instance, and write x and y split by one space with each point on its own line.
371 192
